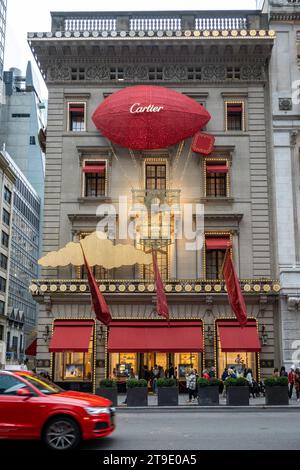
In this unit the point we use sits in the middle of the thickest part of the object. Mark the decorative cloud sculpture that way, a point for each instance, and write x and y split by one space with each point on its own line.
98 251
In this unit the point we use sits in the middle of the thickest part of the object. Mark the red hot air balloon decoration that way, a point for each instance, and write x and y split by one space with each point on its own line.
146 117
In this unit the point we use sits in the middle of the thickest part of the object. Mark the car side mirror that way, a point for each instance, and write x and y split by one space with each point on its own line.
24 392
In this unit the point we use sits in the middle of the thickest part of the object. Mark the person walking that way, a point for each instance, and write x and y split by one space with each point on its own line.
249 379
155 376
283 372
297 383
205 374
191 385
291 379
212 373
276 372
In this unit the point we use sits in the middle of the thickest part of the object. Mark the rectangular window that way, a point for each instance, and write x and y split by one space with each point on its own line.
3 261
15 343
156 176
2 284
76 117
24 115
7 195
215 249
95 178
234 116
6 217
1 326
5 239
163 266
32 140
216 174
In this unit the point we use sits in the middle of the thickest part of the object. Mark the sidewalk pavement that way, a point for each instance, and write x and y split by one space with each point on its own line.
183 404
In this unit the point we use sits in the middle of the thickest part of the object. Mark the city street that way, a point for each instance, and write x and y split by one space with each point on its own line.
222 430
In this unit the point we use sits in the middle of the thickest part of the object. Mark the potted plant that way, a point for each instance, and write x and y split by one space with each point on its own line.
276 391
167 392
137 392
108 389
237 392
208 391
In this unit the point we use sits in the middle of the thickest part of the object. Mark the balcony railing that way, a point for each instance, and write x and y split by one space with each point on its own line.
217 24
90 24
40 287
155 24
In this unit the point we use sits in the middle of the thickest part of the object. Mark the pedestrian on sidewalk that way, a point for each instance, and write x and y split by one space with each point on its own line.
191 385
283 372
291 379
297 383
249 379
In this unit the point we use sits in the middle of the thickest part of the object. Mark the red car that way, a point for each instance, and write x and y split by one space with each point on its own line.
31 407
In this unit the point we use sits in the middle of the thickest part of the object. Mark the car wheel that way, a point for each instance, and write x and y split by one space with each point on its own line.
61 433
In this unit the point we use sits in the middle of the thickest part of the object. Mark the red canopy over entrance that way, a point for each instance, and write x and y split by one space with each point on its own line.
234 338
181 336
71 335
149 117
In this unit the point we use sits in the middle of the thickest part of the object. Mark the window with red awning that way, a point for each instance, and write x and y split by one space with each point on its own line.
221 243
71 335
217 167
234 338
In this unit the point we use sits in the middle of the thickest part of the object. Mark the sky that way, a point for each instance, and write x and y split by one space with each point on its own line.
34 15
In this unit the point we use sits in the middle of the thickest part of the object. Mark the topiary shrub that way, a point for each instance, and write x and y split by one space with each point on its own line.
166 382
201 382
108 383
214 381
132 383
273 381
239 382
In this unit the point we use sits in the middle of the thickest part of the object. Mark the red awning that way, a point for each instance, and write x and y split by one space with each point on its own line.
218 243
234 108
78 109
234 338
217 168
31 349
94 169
155 336
71 335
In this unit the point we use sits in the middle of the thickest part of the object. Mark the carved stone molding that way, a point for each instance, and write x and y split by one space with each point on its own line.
61 72
285 104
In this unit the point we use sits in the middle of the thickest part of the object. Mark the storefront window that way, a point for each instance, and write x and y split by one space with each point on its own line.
74 366
121 365
184 362
237 360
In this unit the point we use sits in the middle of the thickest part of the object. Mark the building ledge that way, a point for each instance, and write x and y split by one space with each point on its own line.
42 287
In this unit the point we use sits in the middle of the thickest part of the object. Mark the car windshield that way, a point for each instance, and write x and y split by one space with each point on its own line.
42 384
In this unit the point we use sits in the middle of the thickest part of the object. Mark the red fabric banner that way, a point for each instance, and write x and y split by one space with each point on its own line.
217 168
234 291
161 303
101 308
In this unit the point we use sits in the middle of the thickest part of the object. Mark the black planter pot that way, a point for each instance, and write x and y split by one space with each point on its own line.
137 396
237 395
208 396
108 392
277 395
167 396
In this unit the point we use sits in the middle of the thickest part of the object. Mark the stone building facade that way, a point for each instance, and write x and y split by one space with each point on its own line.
285 63
220 59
